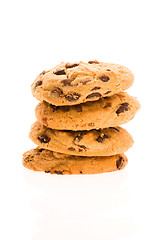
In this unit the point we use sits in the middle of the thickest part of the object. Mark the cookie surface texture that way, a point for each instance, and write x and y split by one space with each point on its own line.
105 112
103 142
75 83
57 163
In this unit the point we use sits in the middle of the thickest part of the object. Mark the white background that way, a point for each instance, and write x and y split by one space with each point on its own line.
35 36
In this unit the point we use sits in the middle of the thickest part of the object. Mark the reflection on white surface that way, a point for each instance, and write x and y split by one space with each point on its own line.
88 227
81 207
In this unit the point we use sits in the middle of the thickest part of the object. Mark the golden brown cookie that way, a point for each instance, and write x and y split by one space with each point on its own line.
105 112
75 83
57 163
103 142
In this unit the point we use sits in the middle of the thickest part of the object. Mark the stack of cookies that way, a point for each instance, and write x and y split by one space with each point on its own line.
78 117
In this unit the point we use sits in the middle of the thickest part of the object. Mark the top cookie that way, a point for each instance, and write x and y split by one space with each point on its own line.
75 83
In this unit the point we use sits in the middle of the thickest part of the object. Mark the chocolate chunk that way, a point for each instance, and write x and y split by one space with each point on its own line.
123 107
38 83
125 104
41 149
68 65
104 78
71 149
84 82
115 129
81 172
95 61
60 72
42 73
119 163
65 108
82 146
95 88
77 108
58 172
54 108
28 159
101 138
107 92
67 81
72 97
92 95
44 139
80 136
57 92
107 105
47 171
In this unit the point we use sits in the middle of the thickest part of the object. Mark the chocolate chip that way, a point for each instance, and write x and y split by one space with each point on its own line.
58 172
41 149
28 159
54 108
81 172
82 146
44 139
47 171
119 163
91 62
115 129
101 138
123 108
107 105
84 82
38 83
71 149
60 72
72 97
92 95
104 78
67 81
71 65
125 104
80 136
95 88
42 73
77 108
108 70
107 92
65 108
57 92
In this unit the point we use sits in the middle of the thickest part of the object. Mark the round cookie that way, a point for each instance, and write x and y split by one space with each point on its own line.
103 142
105 112
57 163
75 83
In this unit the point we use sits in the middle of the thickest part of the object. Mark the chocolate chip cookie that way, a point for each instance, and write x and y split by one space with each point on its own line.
102 142
75 83
105 112
57 163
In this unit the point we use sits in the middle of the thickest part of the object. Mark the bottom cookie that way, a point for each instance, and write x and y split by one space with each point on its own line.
57 163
